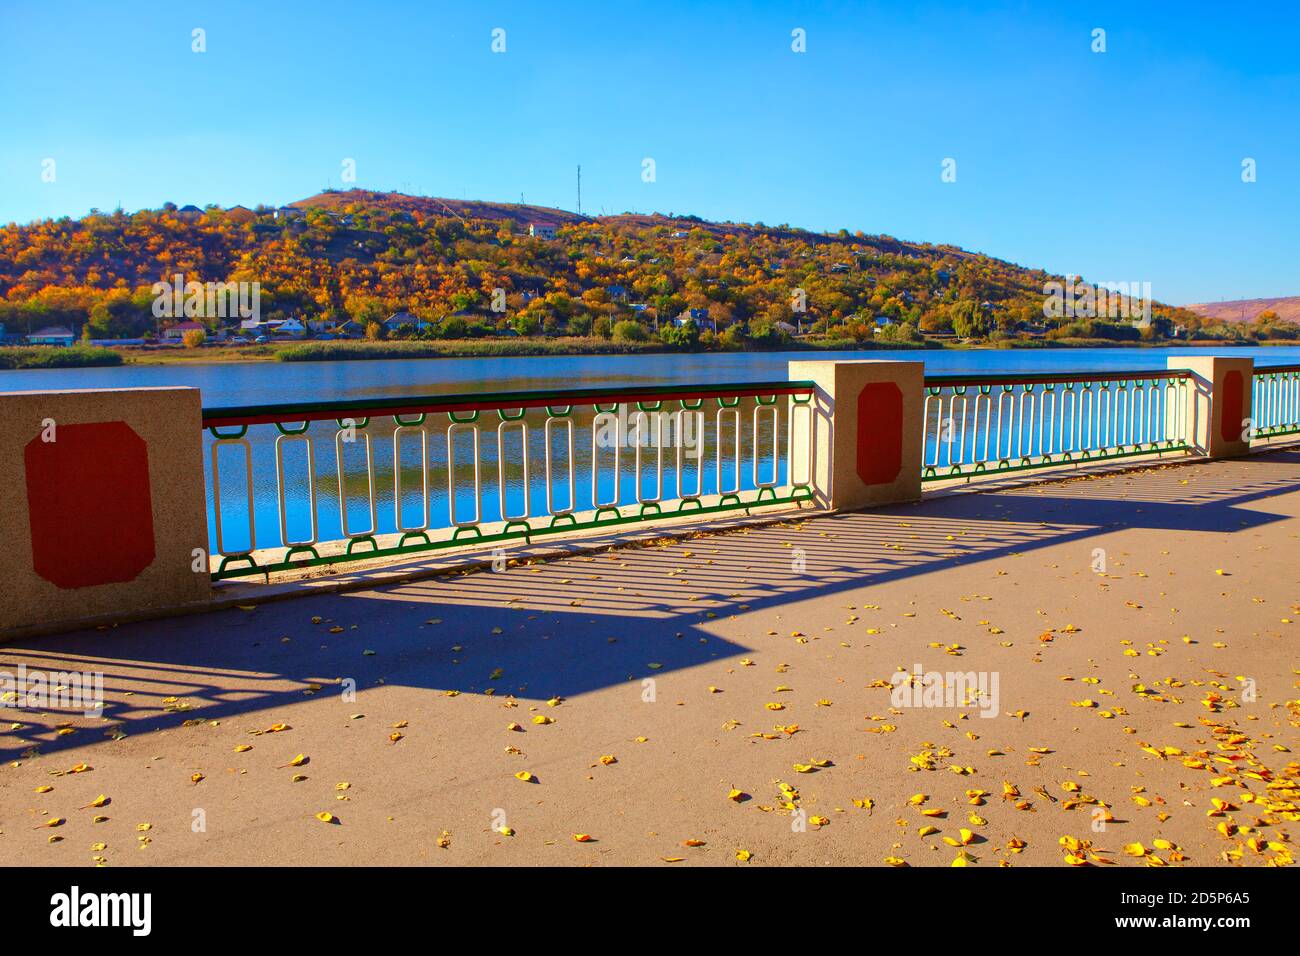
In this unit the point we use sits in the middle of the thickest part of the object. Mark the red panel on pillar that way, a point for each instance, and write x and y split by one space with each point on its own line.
880 433
1230 425
90 506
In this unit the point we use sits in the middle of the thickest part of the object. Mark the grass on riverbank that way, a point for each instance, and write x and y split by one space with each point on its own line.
459 348
77 356
84 356
467 348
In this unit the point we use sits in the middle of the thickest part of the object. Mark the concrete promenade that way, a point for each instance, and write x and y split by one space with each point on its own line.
1141 629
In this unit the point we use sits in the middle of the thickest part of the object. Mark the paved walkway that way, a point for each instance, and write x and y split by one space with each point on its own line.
668 694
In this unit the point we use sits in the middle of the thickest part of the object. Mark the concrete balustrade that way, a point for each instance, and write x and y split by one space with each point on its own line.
103 514
1218 412
866 431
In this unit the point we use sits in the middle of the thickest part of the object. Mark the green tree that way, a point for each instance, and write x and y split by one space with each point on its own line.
685 336
969 320
629 331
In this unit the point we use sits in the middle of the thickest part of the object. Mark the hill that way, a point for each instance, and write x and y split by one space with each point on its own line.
1286 308
470 267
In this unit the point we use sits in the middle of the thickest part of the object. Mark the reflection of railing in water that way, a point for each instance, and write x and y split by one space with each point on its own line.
998 423
1275 401
554 462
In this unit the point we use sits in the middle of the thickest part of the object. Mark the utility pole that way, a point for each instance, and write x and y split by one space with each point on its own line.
580 189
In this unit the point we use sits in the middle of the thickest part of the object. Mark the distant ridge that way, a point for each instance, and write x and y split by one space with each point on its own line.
1247 310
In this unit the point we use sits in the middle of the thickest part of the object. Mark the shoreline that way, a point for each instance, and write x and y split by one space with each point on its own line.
27 358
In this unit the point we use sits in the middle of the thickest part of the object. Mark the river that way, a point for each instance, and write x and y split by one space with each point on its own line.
258 383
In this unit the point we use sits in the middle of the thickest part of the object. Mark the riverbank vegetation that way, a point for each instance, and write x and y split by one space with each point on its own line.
78 356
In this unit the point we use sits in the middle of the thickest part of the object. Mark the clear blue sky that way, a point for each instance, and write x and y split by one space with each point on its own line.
1117 166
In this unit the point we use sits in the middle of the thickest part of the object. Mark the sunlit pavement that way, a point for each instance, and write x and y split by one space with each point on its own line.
732 691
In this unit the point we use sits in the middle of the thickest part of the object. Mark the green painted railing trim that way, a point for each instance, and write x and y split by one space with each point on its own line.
798 494
1055 460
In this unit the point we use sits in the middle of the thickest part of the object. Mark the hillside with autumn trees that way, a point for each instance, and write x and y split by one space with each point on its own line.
361 256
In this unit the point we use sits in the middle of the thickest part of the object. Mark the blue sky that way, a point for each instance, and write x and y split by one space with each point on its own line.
1123 165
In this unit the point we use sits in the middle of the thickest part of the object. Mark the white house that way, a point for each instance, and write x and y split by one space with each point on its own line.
540 230
177 332
264 327
292 327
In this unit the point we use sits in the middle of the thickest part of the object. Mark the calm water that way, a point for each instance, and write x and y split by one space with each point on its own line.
411 485
257 383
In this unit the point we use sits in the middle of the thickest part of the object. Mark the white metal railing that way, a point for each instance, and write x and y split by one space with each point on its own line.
1275 401
979 424
454 476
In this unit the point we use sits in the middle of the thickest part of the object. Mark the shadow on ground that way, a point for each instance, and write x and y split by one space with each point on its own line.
575 625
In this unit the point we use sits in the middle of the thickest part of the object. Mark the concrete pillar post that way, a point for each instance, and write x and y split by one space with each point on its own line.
104 511
1218 409
866 431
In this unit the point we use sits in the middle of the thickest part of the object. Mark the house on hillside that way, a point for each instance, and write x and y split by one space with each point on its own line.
617 292
52 335
177 332
189 212
348 330
696 317
404 319
240 214
539 230
289 214
259 326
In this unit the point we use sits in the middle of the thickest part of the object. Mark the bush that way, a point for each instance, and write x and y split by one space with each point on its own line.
686 336
602 327
905 332
763 331
629 331
733 337
527 323
194 338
